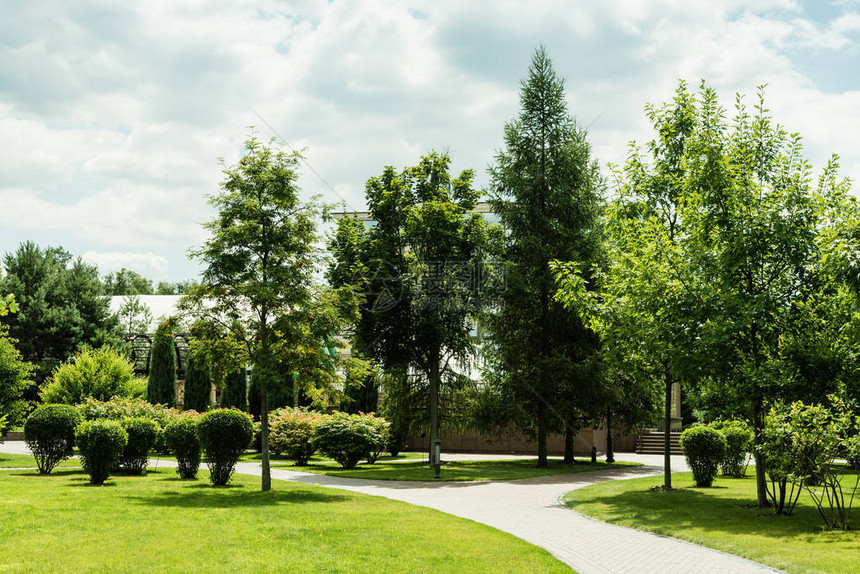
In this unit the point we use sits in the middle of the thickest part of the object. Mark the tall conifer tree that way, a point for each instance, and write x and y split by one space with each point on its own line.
547 191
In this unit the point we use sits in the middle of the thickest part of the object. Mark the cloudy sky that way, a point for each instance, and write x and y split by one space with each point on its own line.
113 115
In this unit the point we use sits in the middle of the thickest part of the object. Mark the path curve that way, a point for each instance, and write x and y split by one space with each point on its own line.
531 509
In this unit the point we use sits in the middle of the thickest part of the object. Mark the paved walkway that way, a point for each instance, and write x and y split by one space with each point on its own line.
532 510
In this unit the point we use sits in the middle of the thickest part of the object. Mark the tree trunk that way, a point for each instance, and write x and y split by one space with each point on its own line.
667 435
541 436
760 471
610 452
434 406
569 436
264 440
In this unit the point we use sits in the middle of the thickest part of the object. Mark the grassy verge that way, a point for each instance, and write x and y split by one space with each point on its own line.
27 461
454 471
158 523
723 517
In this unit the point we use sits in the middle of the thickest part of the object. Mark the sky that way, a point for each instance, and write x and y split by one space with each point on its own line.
115 116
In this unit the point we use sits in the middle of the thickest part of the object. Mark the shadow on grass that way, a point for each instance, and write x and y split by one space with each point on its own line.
234 495
668 512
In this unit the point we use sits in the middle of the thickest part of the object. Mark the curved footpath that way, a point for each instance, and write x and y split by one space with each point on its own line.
532 510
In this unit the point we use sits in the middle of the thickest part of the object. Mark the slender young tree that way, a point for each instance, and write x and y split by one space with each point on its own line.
547 191
258 273
161 385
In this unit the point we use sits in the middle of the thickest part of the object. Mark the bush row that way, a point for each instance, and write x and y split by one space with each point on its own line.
347 438
120 434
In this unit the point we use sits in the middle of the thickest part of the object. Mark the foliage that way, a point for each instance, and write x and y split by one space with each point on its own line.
161 388
723 251
350 438
49 432
127 282
61 303
739 439
14 380
547 191
101 444
416 269
180 436
381 436
118 408
134 316
807 440
198 386
224 435
258 272
291 433
704 449
235 390
143 433
100 374
279 395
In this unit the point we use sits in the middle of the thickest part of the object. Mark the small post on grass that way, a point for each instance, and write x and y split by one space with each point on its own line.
593 454
437 462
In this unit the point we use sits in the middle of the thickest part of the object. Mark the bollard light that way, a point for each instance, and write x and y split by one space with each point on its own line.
593 454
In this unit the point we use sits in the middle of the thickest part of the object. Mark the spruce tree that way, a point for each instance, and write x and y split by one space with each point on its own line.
547 191
161 387
198 386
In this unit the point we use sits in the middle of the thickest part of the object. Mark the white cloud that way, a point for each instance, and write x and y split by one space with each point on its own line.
112 116
147 264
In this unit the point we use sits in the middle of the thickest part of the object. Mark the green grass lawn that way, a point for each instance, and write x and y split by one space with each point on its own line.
27 461
386 469
158 523
723 517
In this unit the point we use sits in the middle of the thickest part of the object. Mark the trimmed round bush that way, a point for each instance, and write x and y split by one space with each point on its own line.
49 432
224 435
118 408
142 436
101 444
349 438
739 439
381 438
291 433
180 436
704 448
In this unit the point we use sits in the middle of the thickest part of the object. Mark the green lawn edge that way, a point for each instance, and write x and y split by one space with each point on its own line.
724 517
157 522
455 471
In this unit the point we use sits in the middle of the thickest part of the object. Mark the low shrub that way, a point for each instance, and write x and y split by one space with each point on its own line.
101 444
224 435
100 374
142 436
180 436
704 448
118 408
49 432
291 433
382 437
349 438
739 439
